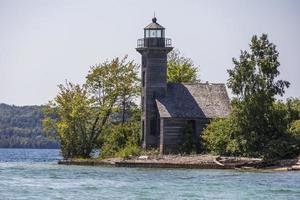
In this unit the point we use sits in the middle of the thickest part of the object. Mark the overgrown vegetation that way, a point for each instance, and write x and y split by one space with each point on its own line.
122 139
218 139
259 126
86 115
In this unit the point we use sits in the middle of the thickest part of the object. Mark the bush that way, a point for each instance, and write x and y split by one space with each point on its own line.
218 138
120 140
282 141
275 141
294 133
129 151
284 147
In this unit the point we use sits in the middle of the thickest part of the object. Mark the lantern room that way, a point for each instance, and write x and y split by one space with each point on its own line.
154 36
154 30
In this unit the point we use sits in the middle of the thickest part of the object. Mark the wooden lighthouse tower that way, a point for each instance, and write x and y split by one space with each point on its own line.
154 48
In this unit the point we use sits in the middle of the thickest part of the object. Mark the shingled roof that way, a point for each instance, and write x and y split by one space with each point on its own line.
201 100
154 25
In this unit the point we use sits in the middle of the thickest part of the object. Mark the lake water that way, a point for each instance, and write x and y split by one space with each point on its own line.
33 174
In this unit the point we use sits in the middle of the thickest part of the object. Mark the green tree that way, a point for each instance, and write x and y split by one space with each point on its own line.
113 85
181 69
84 113
258 124
71 116
254 81
254 74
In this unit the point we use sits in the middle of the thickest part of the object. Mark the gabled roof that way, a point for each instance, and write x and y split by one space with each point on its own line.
154 25
201 100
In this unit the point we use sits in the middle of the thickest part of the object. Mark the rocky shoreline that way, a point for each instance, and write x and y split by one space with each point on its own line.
191 162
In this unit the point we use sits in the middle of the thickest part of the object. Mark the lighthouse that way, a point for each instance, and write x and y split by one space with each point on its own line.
153 47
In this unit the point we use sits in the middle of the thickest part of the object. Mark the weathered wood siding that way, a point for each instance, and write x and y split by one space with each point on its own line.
171 130
154 75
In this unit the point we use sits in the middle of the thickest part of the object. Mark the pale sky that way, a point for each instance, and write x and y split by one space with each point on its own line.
45 42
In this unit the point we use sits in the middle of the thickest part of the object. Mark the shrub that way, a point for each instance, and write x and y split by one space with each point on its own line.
294 134
129 151
120 140
225 137
217 138
284 147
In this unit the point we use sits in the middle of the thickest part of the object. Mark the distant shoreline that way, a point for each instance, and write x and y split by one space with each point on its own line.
26 148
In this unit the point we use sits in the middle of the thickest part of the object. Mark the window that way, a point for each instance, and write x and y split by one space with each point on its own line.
146 33
152 33
158 33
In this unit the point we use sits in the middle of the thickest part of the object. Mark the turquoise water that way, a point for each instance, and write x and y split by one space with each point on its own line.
34 174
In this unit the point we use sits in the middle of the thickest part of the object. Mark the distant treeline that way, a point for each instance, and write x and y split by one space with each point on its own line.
21 127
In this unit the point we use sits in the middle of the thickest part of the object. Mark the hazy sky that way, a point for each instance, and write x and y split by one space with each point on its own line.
45 42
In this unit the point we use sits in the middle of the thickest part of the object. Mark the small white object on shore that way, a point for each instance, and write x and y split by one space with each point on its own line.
143 157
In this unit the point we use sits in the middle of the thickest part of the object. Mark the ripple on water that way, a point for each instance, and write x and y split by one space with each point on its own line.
29 178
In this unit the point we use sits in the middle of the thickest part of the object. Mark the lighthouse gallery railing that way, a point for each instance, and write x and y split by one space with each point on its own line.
154 42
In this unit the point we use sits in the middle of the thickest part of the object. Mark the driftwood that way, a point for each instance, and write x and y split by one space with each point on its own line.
238 162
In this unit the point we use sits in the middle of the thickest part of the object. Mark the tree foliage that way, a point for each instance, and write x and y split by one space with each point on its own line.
74 120
258 124
293 109
113 85
294 129
122 139
181 69
218 138
254 73
83 113
253 81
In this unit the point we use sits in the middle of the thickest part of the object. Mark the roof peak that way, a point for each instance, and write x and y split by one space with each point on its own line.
154 19
154 24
